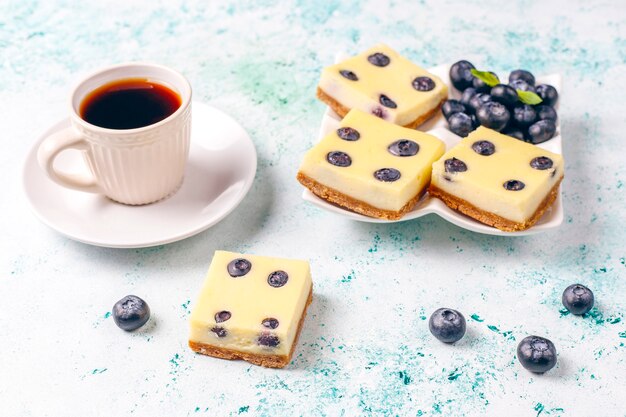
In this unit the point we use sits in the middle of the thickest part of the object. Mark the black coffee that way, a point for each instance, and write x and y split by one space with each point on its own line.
128 104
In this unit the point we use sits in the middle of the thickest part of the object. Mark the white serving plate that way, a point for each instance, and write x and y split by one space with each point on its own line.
437 126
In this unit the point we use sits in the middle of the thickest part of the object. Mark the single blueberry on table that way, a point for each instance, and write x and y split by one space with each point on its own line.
379 59
387 102
477 101
349 75
578 299
403 147
219 331
387 175
268 339
480 85
541 163
423 84
450 107
461 74
461 124
524 115
467 95
548 94
522 85
277 279
541 131
130 313
484 147
455 165
239 267
493 115
523 75
348 133
447 325
513 185
537 354
270 323
338 158
222 316
504 94
545 112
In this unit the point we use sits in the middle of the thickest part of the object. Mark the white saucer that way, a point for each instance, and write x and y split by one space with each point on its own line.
437 126
221 168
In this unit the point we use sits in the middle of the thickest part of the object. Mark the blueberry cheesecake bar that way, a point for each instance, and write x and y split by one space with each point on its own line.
381 82
251 308
498 180
371 166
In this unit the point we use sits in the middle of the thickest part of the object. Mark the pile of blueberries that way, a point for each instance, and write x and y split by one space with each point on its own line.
535 353
519 109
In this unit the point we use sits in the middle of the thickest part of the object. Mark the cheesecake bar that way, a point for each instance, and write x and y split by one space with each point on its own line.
498 180
381 82
371 166
251 308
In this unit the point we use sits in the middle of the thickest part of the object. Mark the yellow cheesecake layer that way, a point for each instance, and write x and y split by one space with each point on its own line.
249 301
366 82
483 183
370 153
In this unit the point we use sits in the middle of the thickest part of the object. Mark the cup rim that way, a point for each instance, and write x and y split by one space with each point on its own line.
185 99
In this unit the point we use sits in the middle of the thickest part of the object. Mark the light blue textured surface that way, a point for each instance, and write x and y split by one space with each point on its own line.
365 349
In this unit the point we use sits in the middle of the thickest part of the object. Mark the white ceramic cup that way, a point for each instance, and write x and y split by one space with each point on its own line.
131 166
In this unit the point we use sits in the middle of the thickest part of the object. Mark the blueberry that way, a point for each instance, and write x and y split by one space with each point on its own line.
270 323
541 163
338 158
578 299
277 279
548 94
467 95
379 59
477 101
513 185
514 133
268 339
522 85
349 75
403 147
423 84
222 316
480 85
387 175
130 313
219 331
475 122
504 94
536 354
523 75
484 147
461 75
460 124
493 115
541 131
455 165
447 325
524 115
387 102
545 112
450 107
379 112
348 133
239 267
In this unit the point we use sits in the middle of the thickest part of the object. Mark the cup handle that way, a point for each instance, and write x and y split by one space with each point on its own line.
53 145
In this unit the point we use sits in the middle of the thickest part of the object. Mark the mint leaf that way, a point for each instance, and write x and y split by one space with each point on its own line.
486 77
528 97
